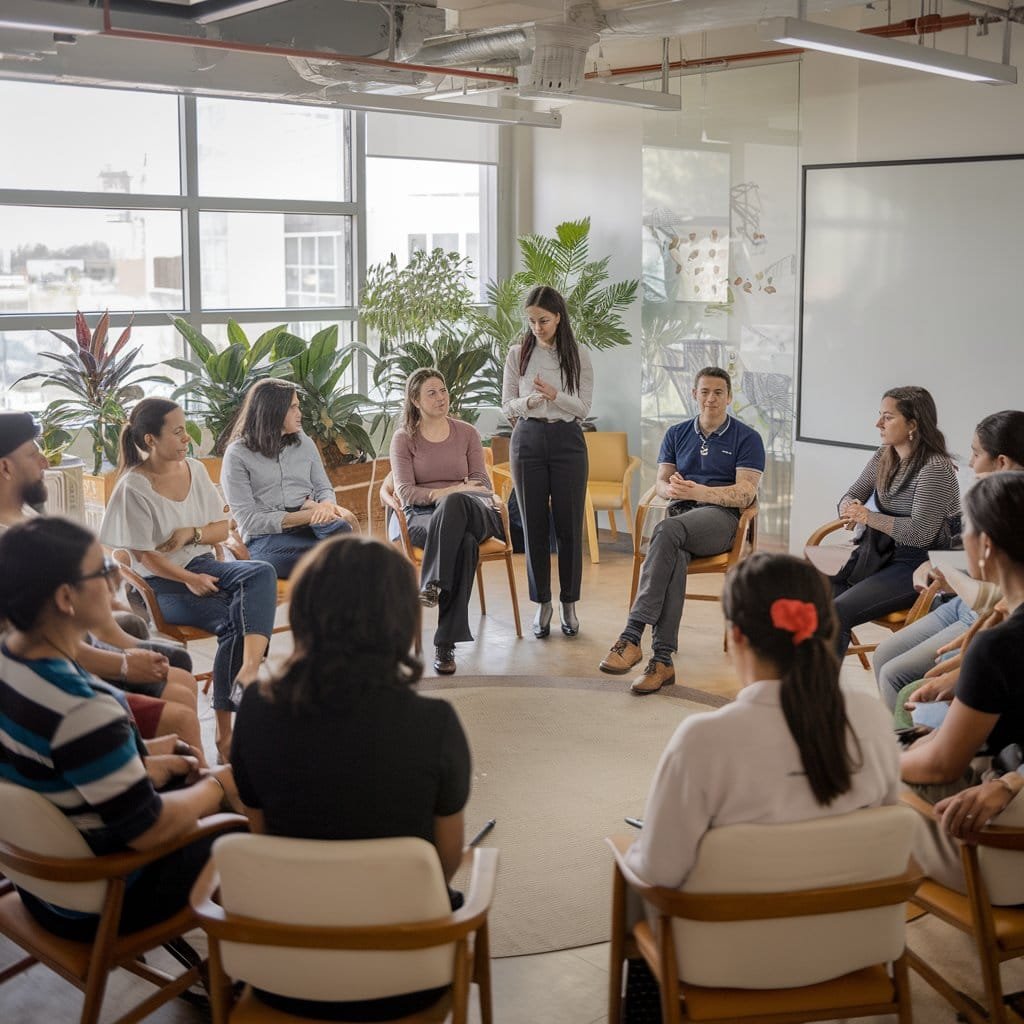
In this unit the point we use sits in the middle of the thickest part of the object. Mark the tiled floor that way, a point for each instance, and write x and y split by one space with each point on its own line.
566 987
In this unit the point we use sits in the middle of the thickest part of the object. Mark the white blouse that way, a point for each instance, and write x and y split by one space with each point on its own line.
138 518
517 388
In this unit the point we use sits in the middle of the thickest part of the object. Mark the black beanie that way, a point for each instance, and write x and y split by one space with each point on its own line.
15 429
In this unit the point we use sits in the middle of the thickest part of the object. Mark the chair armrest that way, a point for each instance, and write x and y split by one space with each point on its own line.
627 477
113 865
123 558
999 837
923 604
386 494
480 896
503 512
823 531
403 529
648 500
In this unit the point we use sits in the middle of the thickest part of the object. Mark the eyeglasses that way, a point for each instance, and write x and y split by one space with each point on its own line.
110 567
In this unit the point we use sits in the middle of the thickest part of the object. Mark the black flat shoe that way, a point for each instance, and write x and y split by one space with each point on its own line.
444 660
542 622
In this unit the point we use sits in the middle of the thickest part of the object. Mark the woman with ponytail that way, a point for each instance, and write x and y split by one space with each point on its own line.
791 747
338 745
167 513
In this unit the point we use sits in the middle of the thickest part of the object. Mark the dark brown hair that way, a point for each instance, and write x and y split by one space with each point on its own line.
354 613
995 507
259 423
1002 433
566 348
411 415
812 702
915 404
713 371
146 418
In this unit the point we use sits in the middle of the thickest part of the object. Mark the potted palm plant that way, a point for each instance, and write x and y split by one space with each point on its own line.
103 382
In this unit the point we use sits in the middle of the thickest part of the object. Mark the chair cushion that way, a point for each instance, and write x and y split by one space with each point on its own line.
786 952
32 823
317 882
250 1010
21 927
493 547
605 494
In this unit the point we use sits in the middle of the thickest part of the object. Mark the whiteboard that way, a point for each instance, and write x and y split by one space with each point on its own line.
912 273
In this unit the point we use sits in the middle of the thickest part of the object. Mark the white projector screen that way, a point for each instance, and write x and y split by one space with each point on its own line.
912 273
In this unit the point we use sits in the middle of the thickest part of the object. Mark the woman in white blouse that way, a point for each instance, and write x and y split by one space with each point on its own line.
167 512
546 393
791 747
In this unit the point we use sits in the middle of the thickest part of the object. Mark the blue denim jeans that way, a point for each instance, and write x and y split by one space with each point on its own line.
245 605
283 550
904 657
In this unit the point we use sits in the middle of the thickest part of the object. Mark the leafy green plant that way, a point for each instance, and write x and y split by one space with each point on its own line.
102 380
463 361
561 262
333 419
408 304
54 437
218 381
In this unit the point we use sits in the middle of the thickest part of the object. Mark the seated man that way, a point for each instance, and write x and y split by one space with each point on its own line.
708 468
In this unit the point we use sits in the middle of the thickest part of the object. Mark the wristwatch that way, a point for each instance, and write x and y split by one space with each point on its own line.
197 535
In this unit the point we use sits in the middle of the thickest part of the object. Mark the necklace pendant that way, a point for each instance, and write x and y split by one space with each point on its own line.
704 449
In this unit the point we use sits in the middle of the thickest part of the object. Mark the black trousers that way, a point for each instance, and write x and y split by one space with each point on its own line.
451 534
549 467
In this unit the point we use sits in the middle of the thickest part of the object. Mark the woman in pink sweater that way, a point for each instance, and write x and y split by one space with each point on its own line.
440 479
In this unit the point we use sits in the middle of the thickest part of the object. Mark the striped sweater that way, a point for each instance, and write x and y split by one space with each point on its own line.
75 746
921 505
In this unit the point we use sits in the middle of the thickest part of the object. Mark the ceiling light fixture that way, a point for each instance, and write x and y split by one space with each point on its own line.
598 92
813 36
441 108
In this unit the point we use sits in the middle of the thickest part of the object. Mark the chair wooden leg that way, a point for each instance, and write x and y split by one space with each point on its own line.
460 984
611 524
617 950
482 973
591 522
627 511
854 642
512 590
984 935
480 588
99 959
901 984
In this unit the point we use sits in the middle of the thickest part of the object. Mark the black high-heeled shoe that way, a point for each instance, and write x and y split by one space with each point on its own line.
542 621
570 624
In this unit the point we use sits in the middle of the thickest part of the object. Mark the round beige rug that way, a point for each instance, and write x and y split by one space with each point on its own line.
558 768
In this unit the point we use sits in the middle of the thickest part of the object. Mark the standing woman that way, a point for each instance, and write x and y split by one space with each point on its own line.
168 514
913 481
274 481
546 392
441 480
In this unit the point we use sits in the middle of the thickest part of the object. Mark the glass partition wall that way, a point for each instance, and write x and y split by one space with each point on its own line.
720 235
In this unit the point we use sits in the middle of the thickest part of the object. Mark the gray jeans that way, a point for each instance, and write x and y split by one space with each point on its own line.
698 533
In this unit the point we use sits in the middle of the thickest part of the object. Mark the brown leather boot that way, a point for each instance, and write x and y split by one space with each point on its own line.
621 658
654 677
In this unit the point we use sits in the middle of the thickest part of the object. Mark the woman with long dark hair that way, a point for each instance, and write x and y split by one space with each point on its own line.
440 479
791 747
274 480
987 713
912 480
68 736
547 390
338 745
167 513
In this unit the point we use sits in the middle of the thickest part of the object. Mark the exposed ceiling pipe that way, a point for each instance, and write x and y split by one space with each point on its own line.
205 13
910 27
504 46
286 51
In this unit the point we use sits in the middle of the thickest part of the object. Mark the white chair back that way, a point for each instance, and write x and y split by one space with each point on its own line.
866 845
314 882
1003 870
31 822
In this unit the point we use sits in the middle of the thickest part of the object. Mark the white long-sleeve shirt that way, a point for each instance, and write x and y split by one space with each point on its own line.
740 765
517 388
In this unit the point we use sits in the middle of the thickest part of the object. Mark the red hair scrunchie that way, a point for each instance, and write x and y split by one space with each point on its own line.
797 617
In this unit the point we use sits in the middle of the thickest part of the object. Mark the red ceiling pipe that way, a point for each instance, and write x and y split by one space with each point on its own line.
284 51
909 27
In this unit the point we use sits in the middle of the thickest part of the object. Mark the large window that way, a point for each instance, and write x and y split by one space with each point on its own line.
217 209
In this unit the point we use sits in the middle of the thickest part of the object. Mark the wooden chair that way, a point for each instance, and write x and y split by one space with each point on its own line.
743 545
238 549
345 920
990 913
43 853
492 549
183 634
830 558
609 481
738 942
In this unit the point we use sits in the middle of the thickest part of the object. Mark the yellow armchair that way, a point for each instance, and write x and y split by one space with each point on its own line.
609 481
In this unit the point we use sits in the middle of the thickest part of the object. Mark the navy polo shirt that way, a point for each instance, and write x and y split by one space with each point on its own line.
732 446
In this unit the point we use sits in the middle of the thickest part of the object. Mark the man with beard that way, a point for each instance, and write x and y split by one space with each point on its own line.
21 467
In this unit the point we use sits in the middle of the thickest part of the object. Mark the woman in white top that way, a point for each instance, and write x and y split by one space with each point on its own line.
167 512
792 747
546 392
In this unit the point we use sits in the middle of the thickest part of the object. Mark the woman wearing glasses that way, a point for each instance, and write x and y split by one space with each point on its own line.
167 513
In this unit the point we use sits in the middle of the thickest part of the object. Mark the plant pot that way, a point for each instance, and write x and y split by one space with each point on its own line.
65 490
97 490
357 488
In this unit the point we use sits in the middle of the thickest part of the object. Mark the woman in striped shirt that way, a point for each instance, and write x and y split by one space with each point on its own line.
917 505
